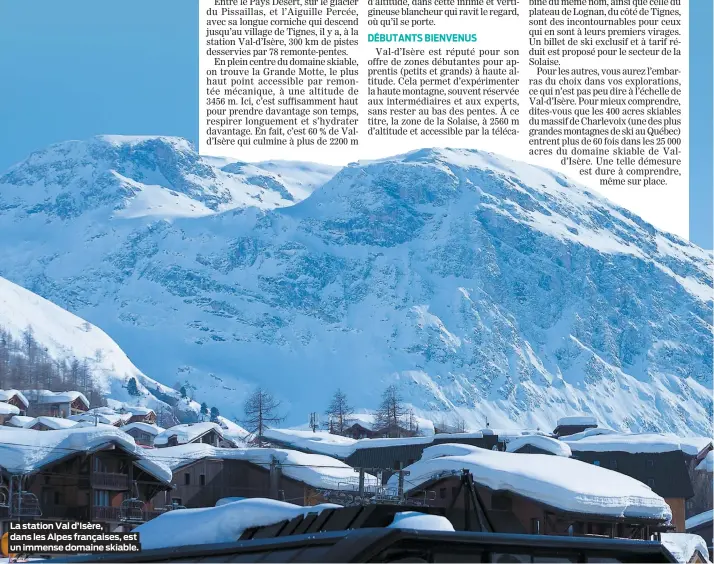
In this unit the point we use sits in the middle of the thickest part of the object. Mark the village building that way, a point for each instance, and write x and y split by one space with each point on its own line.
18 421
15 398
574 424
655 460
7 412
142 433
139 414
203 475
103 415
81 474
700 468
205 433
502 492
49 424
703 525
55 404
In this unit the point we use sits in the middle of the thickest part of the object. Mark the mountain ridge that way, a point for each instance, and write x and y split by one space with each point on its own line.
484 287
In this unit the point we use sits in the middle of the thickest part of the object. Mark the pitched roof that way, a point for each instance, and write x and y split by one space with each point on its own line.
51 422
145 427
187 432
25 451
7 409
560 482
7 395
47 396
554 446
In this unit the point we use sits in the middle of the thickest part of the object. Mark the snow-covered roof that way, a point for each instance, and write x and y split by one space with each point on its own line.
233 431
342 447
316 470
700 519
25 451
51 422
684 546
7 395
554 446
47 396
592 432
368 420
7 409
222 524
564 483
19 421
577 420
227 500
144 427
187 432
631 443
138 409
102 415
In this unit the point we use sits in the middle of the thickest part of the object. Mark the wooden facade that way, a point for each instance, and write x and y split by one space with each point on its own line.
139 418
18 403
702 482
211 437
203 482
91 487
665 472
508 512
141 438
57 409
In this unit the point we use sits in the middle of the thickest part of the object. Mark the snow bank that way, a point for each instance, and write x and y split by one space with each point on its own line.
684 546
554 446
634 443
577 420
700 519
316 470
222 524
565 483
420 522
24 451
186 433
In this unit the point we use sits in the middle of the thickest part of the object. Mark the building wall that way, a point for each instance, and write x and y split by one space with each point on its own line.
703 494
204 482
678 512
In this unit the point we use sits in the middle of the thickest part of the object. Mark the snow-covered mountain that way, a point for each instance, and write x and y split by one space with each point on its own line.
480 285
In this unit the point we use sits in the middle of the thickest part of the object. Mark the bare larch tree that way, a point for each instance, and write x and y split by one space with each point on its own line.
260 413
339 413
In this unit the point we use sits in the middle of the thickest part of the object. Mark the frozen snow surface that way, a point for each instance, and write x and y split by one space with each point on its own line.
684 546
420 522
486 289
221 524
557 481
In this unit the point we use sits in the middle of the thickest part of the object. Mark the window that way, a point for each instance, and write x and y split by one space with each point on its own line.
58 498
613 464
202 479
442 493
187 479
535 526
651 482
596 462
99 465
176 501
101 498
650 463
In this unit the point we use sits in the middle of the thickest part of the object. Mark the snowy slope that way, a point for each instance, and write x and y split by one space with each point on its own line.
66 336
479 285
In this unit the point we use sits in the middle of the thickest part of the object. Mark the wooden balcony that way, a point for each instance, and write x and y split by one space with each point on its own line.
106 514
110 481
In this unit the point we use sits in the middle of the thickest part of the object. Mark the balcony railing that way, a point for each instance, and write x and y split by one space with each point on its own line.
110 481
114 514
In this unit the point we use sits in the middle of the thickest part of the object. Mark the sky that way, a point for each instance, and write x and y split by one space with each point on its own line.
72 69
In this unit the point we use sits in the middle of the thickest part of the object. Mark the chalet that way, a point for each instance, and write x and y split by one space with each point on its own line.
385 454
85 474
7 412
700 469
104 415
655 460
139 414
16 398
49 424
206 433
703 525
575 424
55 404
203 475
501 492
19 421
358 431
143 433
